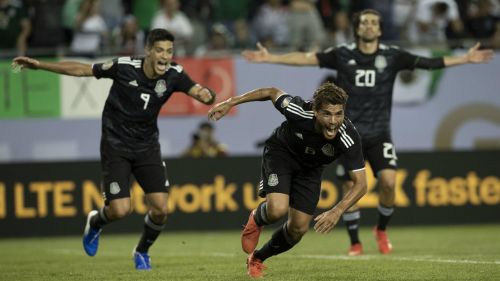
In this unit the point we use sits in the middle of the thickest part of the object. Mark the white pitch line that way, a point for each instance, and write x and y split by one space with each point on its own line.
318 257
395 258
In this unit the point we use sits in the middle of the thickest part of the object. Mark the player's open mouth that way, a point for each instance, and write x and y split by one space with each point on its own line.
161 66
330 132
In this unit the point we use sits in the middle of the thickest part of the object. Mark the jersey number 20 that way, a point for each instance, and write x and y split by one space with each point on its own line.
365 78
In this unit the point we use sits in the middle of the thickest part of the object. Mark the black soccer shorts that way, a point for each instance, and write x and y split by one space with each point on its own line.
148 169
379 152
281 173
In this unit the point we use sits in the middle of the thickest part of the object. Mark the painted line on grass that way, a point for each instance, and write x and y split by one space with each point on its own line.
395 258
320 257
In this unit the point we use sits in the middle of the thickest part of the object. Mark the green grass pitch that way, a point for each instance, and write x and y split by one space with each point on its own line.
469 252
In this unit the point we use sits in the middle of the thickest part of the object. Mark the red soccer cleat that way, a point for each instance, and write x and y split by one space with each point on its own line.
384 245
250 235
255 267
355 250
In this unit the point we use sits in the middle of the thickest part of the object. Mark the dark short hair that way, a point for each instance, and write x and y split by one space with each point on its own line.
206 125
159 34
329 93
356 20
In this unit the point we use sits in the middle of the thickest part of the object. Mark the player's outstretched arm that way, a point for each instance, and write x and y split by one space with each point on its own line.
327 220
262 94
67 68
262 55
474 55
202 94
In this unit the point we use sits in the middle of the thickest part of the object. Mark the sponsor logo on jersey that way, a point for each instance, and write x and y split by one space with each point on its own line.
351 62
273 180
114 188
299 135
160 88
380 63
340 170
133 83
328 150
309 150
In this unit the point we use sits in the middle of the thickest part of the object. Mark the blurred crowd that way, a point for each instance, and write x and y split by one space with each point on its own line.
217 27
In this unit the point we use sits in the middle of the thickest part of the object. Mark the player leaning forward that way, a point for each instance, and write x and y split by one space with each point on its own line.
129 143
314 134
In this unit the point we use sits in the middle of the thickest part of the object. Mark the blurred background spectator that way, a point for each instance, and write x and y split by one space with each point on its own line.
15 27
204 144
306 29
83 27
90 32
171 18
270 24
430 20
129 39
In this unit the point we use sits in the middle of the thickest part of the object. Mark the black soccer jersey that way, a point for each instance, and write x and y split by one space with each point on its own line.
298 137
369 81
129 118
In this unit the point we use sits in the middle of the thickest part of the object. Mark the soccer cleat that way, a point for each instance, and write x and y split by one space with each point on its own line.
142 261
255 267
355 250
91 236
250 235
384 245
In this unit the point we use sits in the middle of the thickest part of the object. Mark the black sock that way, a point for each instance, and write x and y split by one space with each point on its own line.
384 216
351 220
280 242
260 215
99 220
149 235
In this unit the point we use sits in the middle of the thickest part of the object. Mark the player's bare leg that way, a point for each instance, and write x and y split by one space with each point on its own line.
387 182
268 212
351 218
154 222
283 239
96 219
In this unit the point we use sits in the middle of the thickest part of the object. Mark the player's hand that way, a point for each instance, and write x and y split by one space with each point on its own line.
474 55
261 55
219 110
25 62
327 220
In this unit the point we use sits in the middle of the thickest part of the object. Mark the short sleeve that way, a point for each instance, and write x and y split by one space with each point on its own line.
328 58
185 83
107 69
295 108
351 140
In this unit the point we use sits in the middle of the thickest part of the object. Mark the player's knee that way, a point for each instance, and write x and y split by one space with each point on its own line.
297 230
276 211
160 212
118 212
387 185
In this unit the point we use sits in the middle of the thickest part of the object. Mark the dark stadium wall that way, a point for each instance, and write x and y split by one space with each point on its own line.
212 194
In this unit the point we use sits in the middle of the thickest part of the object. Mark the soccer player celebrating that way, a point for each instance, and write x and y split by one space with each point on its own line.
314 134
367 70
129 142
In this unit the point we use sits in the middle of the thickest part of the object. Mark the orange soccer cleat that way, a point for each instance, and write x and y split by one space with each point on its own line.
255 267
250 235
355 250
384 245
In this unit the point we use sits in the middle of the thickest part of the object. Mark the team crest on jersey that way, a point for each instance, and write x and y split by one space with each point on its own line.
328 150
380 63
273 180
107 65
160 88
114 188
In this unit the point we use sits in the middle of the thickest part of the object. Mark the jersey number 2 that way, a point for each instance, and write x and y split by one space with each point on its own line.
365 78
145 98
